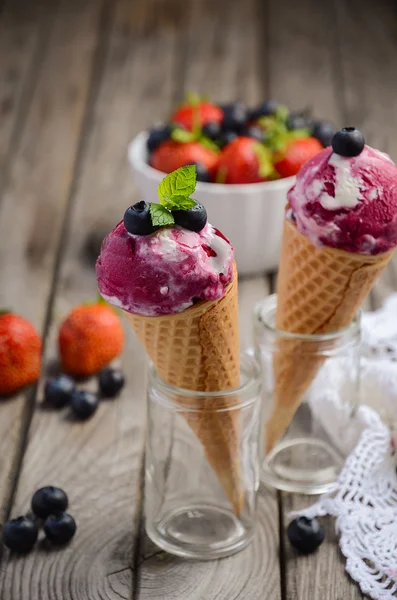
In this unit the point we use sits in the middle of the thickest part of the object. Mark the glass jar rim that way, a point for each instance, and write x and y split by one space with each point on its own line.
249 388
270 304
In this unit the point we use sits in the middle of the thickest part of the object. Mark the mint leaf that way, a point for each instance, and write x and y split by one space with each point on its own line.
180 203
160 215
182 136
176 187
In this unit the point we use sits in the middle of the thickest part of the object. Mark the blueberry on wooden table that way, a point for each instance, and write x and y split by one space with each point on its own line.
58 391
306 535
111 382
59 528
20 534
84 404
47 500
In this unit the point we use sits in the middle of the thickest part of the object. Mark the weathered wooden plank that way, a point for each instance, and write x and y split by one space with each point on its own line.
302 59
23 36
99 462
35 198
223 55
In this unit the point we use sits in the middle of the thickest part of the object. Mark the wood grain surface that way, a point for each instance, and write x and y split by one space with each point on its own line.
78 79
34 200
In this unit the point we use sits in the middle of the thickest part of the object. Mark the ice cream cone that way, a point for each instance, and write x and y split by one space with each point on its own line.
198 349
320 289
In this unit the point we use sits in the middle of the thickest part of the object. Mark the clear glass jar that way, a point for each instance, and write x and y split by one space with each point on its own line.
318 375
202 465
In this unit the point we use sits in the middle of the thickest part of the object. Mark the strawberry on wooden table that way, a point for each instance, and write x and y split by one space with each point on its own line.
296 153
244 160
89 338
171 155
20 353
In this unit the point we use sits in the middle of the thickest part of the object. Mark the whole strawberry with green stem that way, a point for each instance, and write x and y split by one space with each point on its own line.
89 338
20 353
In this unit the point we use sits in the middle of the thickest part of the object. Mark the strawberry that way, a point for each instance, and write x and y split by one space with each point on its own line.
89 338
244 160
20 353
297 152
171 155
197 114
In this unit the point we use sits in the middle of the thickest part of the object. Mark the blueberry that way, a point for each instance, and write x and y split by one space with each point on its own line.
157 135
202 173
47 500
234 116
299 121
349 141
20 535
137 219
111 381
263 110
59 528
211 130
255 132
226 138
194 219
58 391
84 404
306 535
324 131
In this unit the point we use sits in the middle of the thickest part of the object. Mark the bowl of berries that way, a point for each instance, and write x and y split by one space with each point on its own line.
246 161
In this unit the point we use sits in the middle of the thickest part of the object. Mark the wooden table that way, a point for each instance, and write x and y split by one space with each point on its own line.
78 78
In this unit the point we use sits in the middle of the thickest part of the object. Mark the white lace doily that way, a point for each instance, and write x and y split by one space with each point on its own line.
364 500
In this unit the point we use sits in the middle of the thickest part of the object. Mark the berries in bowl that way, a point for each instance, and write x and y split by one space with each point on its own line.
246 161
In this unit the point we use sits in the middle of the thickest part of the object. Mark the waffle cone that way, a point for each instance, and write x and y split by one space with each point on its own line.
198 349
319 291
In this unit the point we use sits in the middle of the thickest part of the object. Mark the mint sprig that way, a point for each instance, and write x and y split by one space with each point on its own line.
176 187
174 191
160 215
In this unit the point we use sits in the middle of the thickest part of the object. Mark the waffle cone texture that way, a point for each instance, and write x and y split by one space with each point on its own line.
319 291
198 350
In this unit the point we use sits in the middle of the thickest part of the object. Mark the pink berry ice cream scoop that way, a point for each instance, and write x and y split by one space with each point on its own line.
163 258
346 197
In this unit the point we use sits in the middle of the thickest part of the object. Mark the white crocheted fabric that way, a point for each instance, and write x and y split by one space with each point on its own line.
364 500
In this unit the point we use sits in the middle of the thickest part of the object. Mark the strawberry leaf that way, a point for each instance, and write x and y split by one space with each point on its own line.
176 187
5 311
160 215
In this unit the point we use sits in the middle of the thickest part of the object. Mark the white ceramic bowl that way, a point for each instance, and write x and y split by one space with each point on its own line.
250 215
